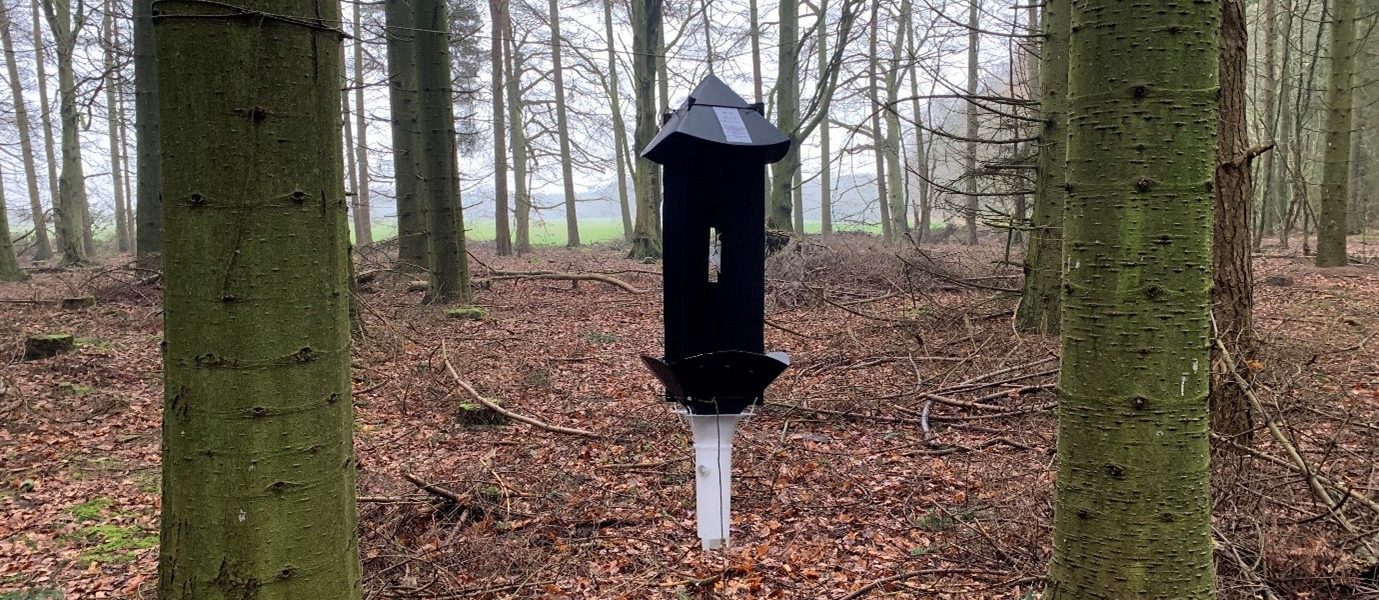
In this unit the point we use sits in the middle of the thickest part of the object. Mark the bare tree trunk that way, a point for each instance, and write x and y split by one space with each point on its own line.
563 130
45 107
149 210
970 167
895 195
9 264
113 127
646 28
825 149
787 119
402 99
754 32
878 136
446 258
73 215
363 207
351 172
1282 153
1269 217
518 137
497 10
1331 223
921 162
44 247
619 126
1232 292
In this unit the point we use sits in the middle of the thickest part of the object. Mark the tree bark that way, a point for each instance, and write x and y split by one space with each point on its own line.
646 28
148 205
1133 496
878 136
1283 150
43 249
497 10
1039 309
1331 223
562 127
1232 295
446 258
402 100
258 464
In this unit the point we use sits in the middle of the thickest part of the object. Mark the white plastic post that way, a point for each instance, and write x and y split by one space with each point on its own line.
713 470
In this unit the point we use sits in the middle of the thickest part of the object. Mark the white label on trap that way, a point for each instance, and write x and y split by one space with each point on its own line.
734 130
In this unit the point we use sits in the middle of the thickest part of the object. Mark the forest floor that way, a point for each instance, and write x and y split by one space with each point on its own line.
907 451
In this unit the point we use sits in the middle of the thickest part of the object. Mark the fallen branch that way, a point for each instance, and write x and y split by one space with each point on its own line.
433 489
552 275
493 406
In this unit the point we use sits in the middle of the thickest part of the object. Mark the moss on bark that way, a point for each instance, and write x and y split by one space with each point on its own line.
258 462
1132 508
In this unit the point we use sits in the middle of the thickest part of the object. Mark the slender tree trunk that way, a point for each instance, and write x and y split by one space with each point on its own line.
402 98
363 203
1331 223
351 173
113 126
446 258
787 116
797 196
73 215
129 216
562 127
1040 305
43 250
921 162
1232 295
895 193
619 126
148 211
258 464
970 167
497 10
878 136
1269 217
825 146
45 112
646 27
9 265
754 33
1132 513
518 136
1282 152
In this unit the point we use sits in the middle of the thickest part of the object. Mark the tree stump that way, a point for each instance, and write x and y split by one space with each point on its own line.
39 347
78 303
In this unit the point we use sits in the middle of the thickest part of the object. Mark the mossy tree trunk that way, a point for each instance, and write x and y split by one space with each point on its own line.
44 247
1039 305
619 126
646 28
1132 508
787 116
1232 268
1340 93
446 258
45 111
258 462
896 194
406 133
